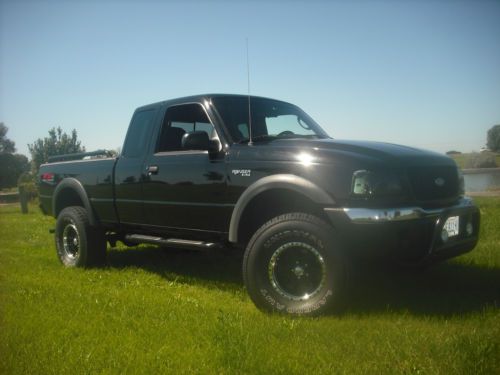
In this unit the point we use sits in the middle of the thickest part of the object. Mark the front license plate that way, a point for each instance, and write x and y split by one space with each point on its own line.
451 226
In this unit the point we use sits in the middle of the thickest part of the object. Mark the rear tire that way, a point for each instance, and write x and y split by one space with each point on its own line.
78 244
293 264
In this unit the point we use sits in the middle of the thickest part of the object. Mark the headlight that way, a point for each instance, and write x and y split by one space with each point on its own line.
370 184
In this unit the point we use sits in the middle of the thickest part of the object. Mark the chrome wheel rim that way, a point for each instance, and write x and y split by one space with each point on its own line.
71 241
297 271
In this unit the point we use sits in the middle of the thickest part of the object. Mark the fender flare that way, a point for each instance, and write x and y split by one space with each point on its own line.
277 181
76 186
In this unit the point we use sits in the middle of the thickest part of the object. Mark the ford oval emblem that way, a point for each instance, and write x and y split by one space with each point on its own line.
439 181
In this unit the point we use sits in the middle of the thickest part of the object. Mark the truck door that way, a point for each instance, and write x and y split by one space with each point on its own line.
129 168
185 189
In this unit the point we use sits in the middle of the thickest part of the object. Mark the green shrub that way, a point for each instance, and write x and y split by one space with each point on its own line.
480 160
27 182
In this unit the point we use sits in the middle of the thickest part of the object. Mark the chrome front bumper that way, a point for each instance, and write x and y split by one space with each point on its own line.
414 233
378 215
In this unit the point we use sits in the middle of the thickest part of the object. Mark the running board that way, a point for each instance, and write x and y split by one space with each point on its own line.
172 242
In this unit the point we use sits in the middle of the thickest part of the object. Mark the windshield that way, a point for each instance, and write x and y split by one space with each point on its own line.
270 119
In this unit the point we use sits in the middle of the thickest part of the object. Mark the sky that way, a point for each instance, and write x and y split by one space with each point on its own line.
420 73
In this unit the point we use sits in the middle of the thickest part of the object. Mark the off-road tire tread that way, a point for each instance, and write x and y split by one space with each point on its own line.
289 217
293 216
92 238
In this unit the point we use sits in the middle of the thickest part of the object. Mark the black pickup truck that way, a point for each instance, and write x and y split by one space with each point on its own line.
258 174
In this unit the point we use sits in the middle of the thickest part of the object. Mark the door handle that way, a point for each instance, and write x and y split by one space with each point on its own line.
152 169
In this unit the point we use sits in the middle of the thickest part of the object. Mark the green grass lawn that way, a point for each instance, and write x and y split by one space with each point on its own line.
155 311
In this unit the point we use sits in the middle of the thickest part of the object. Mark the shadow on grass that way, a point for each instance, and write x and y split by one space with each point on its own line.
218 268
444 289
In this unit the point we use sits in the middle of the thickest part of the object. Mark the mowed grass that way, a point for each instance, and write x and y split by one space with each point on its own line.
154 311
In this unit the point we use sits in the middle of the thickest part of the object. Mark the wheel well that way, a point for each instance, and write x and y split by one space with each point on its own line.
272 203
67 197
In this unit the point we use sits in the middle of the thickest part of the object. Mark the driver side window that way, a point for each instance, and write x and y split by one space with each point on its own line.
182 119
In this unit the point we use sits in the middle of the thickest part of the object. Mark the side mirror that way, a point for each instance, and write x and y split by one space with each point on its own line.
198 140
214 146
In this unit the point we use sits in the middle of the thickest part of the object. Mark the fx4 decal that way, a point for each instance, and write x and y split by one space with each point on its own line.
242 172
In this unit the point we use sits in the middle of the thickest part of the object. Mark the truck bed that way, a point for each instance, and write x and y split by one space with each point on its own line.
95 176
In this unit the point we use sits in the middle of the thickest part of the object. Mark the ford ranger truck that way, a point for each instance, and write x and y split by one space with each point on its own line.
260 176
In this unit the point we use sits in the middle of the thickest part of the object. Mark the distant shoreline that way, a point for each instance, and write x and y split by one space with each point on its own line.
480 170
492 193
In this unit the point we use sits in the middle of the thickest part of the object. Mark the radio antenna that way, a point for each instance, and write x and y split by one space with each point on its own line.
249 106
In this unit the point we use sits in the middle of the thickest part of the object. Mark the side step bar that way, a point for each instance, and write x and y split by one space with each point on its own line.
172 242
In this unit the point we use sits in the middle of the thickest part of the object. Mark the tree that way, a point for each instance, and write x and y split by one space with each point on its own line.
6 145
11 165
57 143
493 138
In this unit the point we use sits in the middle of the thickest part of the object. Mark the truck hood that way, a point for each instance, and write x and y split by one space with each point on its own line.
327 151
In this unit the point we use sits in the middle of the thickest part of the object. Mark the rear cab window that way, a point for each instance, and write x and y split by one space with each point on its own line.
138 133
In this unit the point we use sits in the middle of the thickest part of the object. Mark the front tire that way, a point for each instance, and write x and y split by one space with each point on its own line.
78 244
293 264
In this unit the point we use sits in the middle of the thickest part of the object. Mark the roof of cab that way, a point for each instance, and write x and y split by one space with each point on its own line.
195 99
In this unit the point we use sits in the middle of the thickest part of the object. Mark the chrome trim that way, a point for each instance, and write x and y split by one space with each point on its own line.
379 215
297 271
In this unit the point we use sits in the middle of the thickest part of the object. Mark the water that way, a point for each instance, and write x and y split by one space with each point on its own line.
482 181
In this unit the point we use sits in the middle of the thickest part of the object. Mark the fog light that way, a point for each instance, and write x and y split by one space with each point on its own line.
469 229
444 235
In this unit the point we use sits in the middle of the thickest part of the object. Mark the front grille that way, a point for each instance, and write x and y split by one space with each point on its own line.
434 183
